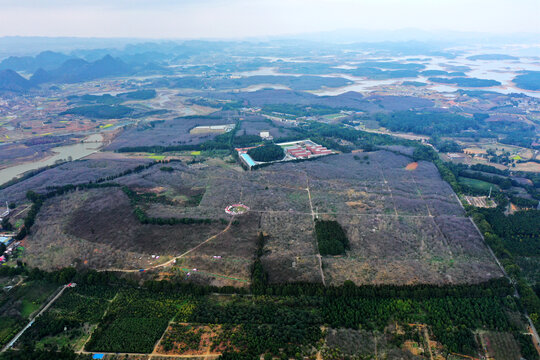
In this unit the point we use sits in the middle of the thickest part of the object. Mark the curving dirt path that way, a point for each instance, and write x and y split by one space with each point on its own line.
173 260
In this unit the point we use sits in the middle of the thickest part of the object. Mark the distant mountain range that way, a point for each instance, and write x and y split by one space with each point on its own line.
78 70
72 70
47 60
11 81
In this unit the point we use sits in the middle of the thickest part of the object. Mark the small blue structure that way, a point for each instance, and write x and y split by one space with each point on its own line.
5 240
248 160
98 356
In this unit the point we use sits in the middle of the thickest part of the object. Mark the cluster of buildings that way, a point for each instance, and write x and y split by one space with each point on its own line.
10 246
265 135
295 150
212 129
306 149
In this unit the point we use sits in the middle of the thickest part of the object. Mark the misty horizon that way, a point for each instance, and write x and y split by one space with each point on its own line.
239 19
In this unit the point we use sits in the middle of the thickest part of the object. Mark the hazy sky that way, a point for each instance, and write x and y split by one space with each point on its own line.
246 18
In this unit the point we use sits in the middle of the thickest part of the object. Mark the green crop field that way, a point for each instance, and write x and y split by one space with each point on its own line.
477 184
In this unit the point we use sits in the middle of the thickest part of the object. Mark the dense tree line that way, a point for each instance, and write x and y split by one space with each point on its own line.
523 202
493 222
158 149
143 218
445 146
136 199
513 132
428 123
489 169
445 169
450 172
529 80
47 325
287 321
451 319
259 277
246 140
135 320
295 110
35 354
100 111
466 81
520 231
145 94
425 153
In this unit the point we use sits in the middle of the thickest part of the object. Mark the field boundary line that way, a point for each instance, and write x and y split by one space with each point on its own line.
156 346
388 188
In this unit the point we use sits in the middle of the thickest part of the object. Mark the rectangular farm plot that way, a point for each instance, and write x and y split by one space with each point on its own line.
282 269
408 250
389 237
193 339
379 271
462 237
341 197
445 206
289 234
261 198
290 249
135 321
410 205
342 166
280 175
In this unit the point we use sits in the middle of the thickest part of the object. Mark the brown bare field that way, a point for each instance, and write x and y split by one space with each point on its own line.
206 339
405 227
98 226
362 344
528 166
480 201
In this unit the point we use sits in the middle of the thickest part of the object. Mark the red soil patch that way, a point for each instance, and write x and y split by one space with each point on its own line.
411 166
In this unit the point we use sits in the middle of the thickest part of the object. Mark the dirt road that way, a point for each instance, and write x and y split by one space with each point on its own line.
173 260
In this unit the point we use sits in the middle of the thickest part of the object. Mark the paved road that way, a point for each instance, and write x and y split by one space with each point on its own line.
19 334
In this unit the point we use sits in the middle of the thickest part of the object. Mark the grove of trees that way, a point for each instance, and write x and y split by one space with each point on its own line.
266 153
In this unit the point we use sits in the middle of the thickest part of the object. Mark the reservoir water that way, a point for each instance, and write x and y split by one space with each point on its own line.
90 145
